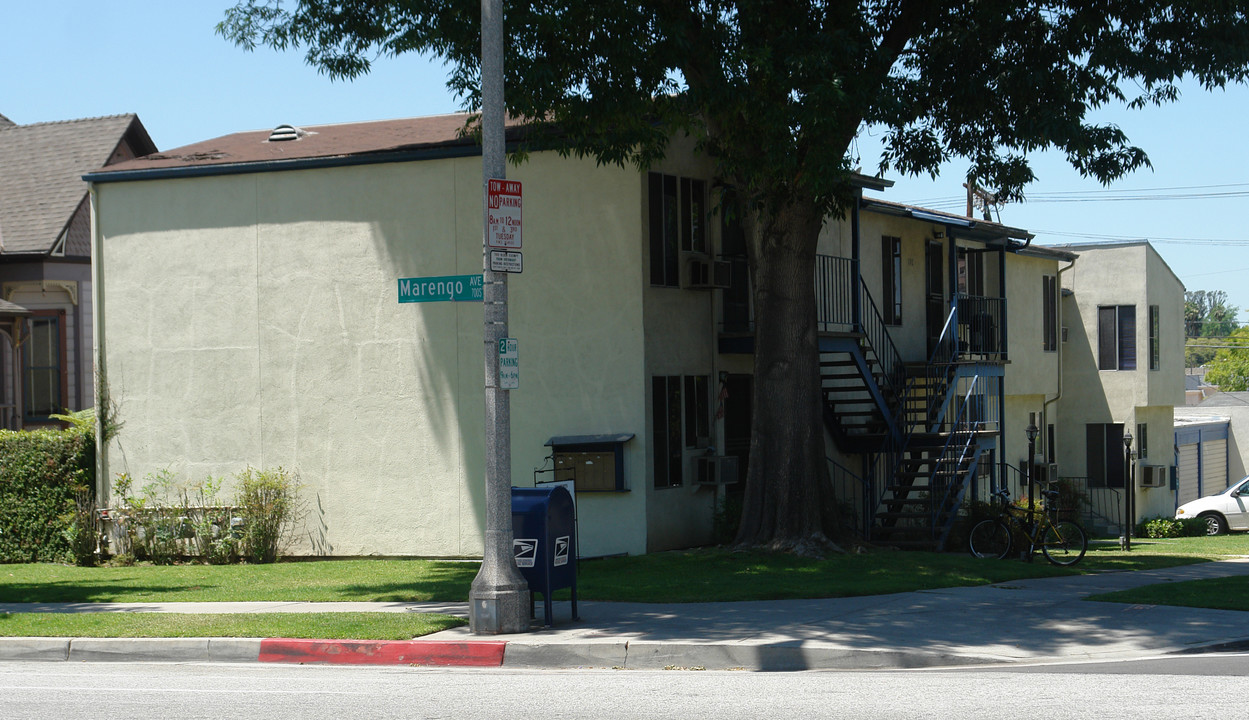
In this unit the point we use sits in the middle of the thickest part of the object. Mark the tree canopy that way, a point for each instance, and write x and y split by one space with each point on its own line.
1208 321
776 92
1229 369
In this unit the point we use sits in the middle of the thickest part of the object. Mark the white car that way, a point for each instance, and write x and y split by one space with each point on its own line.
1229 510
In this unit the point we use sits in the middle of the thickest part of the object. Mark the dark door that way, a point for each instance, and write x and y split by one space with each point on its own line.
934 292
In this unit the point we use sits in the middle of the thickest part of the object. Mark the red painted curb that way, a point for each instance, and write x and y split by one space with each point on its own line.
487 653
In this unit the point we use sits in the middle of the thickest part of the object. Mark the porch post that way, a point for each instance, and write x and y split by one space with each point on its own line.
1001 293
952 283
856 292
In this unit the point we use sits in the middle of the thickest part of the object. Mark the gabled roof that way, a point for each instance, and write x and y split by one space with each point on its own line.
41 169
303 147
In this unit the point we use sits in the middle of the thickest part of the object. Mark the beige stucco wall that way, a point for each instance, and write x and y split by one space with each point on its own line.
1124 275
1031 369
1130 274
910 336
253 319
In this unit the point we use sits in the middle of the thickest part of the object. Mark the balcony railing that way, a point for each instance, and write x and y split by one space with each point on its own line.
836 284
981 326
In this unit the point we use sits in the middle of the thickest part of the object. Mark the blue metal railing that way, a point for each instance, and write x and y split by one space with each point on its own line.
959 455
981 326
835 280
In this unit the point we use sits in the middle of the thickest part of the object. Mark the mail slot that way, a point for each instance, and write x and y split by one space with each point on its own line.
544 531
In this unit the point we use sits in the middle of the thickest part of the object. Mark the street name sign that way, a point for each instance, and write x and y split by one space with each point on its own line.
448 288
509 364
503 214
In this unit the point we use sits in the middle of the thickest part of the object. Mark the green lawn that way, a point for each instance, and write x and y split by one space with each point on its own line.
326 626
703 575
1230 593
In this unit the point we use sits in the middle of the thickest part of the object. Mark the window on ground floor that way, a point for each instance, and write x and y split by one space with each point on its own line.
680 419
43 366
1104 448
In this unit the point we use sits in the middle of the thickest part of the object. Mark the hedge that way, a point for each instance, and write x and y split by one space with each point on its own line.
40 472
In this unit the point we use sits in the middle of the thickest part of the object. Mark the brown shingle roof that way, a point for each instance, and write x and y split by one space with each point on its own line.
315 142
41 169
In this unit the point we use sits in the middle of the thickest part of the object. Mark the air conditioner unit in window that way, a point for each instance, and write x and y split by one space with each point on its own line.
1153 476
716 469
705 274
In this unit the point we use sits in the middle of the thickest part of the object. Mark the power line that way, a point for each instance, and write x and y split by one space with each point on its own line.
1174 192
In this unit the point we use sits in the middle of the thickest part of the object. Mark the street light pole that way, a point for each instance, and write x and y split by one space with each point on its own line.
1129 490
1031 431
499 596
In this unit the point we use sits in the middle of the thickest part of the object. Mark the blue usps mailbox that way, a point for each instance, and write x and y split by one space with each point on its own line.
545 541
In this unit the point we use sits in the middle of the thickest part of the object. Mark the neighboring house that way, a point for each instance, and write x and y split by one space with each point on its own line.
1196 389
1122 374
1214 452
249 289
45 260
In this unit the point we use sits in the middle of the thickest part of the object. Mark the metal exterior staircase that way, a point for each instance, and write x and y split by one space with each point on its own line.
926 423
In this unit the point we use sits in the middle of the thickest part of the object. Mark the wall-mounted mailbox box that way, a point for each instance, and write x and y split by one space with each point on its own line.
544 531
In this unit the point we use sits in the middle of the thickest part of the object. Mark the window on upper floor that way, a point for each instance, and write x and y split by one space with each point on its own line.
891 295
1116 337
1049 313
1155 345
678 223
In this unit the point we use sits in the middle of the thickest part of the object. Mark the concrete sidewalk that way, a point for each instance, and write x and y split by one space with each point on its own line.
1020 621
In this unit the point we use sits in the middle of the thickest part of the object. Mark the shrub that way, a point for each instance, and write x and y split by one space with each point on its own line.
47 480
82 530
269 504
152 524
215 538
1166 527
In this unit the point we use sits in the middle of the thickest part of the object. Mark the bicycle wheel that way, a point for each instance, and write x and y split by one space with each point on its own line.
989 539
1064 543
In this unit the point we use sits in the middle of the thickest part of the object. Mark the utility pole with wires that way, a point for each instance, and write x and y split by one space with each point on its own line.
986 200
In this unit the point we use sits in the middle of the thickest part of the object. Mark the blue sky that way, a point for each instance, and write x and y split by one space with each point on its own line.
163 61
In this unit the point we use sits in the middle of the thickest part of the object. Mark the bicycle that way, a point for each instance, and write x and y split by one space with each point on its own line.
1062 542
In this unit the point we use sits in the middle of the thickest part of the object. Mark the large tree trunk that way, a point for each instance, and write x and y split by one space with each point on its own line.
787 474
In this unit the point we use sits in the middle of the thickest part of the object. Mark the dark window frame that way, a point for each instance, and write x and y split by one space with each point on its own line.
1116 337
1104 454
1155 342
1049 310
60 370
891 279
678 220
680 418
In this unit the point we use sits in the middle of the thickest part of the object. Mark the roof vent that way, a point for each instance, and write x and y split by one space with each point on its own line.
285 132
